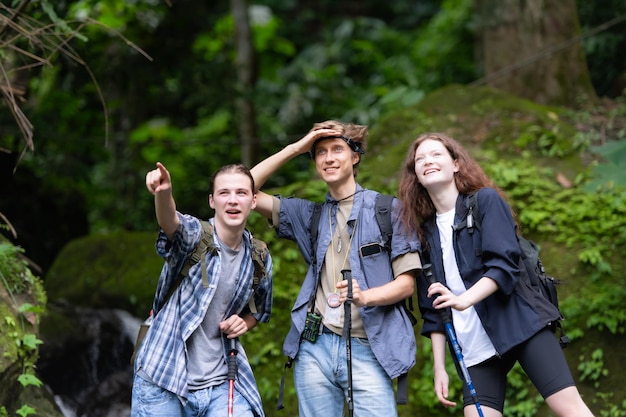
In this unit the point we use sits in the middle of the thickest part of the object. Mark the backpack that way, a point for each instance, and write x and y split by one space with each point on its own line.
206 244
539 280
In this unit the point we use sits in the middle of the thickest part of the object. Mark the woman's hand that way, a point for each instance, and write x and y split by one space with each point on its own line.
445 298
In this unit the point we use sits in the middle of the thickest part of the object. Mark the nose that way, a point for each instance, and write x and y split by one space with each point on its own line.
329 157
232 198
428 159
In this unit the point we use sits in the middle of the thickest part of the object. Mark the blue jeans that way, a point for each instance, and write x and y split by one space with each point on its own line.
321 379
150 400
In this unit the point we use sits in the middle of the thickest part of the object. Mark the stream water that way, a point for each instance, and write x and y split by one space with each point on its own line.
87 369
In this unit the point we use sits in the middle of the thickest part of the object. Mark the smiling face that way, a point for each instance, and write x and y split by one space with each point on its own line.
434 165
334 161
232 199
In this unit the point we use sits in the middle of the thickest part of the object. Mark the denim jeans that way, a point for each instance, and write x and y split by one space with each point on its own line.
321 379
150 400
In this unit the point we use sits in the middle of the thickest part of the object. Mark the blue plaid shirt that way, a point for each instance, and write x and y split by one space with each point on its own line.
162 355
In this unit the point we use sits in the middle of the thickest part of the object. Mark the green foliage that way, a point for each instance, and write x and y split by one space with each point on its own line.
443 50
602 50
609 409
612 171
547 141
20 343
593 368
13 271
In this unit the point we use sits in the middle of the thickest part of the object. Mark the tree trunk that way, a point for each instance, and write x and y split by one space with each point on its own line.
533 49
246 80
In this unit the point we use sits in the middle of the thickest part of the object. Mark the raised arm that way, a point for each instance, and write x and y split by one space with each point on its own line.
159 183
264 169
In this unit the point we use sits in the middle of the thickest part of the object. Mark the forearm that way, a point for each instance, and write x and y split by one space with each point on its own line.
438 341
483 288
250 321
262 171
395 291
165 209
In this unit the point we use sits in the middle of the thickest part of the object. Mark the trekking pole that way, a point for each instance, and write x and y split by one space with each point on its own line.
447 320
347 327
232 374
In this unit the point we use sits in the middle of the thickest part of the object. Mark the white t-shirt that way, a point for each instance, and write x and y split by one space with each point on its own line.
473 340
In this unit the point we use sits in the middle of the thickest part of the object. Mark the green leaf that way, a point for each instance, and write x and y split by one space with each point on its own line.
28 379
26 410
30 340
29 308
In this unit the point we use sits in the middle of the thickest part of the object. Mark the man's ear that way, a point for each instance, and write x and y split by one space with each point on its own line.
210 201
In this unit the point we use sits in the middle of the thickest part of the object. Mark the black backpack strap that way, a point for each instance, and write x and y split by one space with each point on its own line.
313 233
314 230
402 389
279 404
471 219
384 206
383 209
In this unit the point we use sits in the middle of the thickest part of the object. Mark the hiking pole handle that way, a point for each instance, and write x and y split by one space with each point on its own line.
347 325
427 270
346 274
232 360
428 274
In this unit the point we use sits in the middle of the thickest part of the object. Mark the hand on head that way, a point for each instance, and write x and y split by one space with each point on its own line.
307 141
158 179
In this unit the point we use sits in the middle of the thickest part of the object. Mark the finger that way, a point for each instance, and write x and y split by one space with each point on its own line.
152 180
165 174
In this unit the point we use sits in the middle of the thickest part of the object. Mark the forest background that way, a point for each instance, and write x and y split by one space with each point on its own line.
95 92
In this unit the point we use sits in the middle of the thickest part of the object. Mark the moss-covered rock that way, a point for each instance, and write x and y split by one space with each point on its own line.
119 270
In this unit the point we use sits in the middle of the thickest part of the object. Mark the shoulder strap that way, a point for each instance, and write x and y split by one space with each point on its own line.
314 230
471 220
205 244
259 256
383 207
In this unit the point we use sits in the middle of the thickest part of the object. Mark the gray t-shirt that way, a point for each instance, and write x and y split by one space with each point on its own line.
207 366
